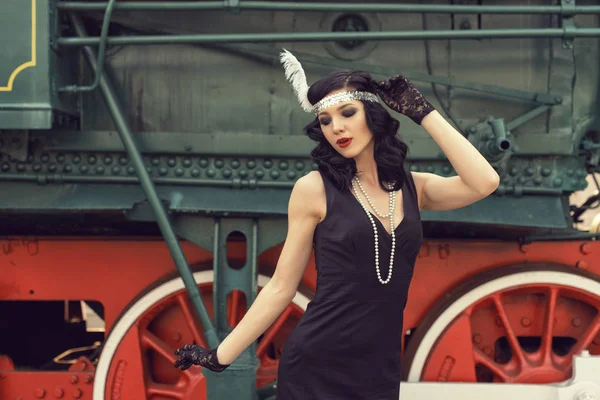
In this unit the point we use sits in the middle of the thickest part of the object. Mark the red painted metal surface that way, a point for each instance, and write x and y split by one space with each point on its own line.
117 271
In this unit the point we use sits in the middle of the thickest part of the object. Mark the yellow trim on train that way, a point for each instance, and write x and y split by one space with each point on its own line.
30 63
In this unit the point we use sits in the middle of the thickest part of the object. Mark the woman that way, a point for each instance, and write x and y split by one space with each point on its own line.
360 211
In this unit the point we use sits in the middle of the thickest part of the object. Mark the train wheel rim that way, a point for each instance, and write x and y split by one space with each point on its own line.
447 347
109 377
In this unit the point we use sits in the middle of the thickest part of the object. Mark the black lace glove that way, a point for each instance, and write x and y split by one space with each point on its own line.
193 354
402 96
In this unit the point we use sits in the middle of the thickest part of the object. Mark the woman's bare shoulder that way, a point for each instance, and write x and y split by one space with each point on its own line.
310 191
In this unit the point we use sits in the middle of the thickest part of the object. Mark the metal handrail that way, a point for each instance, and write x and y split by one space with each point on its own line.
99 70
323 7
333 36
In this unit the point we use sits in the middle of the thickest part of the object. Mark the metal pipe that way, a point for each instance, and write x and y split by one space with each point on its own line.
148 187
99 70
332 7
44 179
332 36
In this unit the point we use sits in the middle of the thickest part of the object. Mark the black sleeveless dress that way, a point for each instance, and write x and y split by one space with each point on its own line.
347 345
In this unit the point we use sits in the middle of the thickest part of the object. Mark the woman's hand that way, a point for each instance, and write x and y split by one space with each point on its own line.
402 96
193 354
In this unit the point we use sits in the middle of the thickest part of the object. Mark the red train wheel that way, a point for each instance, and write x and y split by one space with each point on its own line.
520 324
137 358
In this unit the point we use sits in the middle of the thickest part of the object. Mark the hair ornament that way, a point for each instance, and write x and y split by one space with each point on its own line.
294 73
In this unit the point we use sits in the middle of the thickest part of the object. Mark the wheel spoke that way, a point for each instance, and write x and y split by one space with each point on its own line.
158 345
190 319
517 352
498 370
586 339
272 332
547 335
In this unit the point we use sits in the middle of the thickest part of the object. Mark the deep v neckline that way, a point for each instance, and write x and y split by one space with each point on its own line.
389 234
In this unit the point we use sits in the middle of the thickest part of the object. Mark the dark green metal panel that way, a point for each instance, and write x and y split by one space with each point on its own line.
30 67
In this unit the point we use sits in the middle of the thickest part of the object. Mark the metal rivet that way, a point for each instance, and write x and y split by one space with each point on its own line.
187 162
59 393
131 170
283 165
92 159
235 164
274 174
172 162
76 393
163 171
176 336
268 163
487 351
546 171
557 182
116 170
195 173
243 173
226 173
203 162
299 165
74 379
67 169
123 160
576 322
52 167
99 170
179 172
88 379
525 322
291 174
251 164
477 338
211 173
585 248
529 171
582 264
219 163
155 161
259 173
108 160
40 393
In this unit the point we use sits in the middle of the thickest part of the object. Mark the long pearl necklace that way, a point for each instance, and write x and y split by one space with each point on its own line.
391 217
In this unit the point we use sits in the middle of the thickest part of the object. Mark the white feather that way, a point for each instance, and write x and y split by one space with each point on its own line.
294 73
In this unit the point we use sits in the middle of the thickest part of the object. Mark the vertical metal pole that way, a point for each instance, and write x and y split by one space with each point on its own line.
239 380
148 186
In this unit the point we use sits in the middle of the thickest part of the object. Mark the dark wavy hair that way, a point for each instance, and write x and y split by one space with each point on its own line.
390 150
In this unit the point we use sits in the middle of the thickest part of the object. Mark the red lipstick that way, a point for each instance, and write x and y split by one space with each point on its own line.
344 142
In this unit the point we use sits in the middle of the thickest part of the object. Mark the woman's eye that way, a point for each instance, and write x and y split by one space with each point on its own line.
325 121
348 114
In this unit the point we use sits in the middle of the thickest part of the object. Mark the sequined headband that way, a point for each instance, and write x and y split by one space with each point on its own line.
294 73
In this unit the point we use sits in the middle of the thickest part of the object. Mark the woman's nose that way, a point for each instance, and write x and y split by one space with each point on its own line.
338 125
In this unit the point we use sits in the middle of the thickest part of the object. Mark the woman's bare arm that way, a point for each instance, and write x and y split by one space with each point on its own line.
476 178
306 208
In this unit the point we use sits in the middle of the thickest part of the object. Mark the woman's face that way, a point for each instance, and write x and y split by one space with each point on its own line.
345 127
